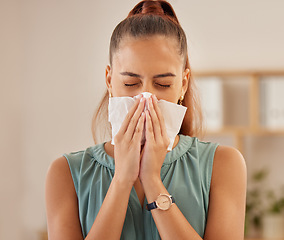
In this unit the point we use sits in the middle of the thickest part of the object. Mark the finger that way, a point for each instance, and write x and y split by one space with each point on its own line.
160 117
135 118
129 115
149 128
139 129
155 120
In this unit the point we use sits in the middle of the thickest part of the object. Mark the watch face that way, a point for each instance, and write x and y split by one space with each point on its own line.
163 202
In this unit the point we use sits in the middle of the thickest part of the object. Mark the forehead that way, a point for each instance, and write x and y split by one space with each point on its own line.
128 40
153 50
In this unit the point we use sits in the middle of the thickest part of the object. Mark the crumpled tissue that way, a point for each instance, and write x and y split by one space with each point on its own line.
173 115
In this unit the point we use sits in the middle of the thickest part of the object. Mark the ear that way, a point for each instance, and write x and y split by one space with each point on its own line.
185 80
108 78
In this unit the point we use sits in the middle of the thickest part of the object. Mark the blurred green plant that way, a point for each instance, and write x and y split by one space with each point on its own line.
276 204
254 202
261 201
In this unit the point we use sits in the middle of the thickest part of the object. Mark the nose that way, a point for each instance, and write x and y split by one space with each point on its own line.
148 87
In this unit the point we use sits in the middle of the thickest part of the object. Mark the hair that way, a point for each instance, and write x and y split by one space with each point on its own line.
151 18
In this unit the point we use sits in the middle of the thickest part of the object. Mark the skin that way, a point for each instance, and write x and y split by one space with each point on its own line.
151 65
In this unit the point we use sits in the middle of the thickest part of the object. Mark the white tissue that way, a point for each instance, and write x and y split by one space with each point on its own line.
173 115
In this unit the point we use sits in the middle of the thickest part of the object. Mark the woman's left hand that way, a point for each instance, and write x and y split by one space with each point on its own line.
156 144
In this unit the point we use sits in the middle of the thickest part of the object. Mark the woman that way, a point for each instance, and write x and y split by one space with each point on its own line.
129 191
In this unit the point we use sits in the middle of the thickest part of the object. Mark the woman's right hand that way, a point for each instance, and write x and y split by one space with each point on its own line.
127 142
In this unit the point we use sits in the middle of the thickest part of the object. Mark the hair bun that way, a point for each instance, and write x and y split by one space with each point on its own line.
152 7
158 7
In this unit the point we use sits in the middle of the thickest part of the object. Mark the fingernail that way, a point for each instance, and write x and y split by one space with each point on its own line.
155 98
141 99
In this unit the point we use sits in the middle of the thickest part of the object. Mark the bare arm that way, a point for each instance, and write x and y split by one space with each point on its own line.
110 219
171 223
226 208
61 203
62 207
227 192
61 199
227 196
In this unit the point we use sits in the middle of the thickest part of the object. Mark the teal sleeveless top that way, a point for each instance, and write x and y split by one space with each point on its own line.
186 174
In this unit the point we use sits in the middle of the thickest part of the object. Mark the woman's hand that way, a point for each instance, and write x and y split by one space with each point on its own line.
127 142
157 142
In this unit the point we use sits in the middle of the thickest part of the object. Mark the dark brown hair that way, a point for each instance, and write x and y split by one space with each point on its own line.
150 18
146 19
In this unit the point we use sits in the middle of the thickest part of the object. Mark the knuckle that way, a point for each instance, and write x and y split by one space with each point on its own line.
132 121
164 142
117 138
138 129
155 120
161 143
150 129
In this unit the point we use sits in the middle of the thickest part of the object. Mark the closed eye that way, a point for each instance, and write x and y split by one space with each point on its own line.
130 84
158 84
163 85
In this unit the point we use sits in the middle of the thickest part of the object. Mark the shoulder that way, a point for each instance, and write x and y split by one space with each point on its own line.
228 166
58 164
227 158
59 174
68 167
227 195
59 188
61 202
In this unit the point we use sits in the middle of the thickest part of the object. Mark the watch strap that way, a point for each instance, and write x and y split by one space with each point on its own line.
153 205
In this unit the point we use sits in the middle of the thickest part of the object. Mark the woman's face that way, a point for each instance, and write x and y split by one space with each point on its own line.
148 65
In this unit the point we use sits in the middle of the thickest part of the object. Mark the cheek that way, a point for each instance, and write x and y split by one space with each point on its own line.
116 88
173 94
170 96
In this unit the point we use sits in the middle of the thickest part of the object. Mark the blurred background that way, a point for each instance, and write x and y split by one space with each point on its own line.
53 56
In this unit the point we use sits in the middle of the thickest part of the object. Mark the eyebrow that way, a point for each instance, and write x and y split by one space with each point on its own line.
164 75
130 74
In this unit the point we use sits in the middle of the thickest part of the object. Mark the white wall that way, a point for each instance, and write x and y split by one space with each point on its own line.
53 57
11 136
234 34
